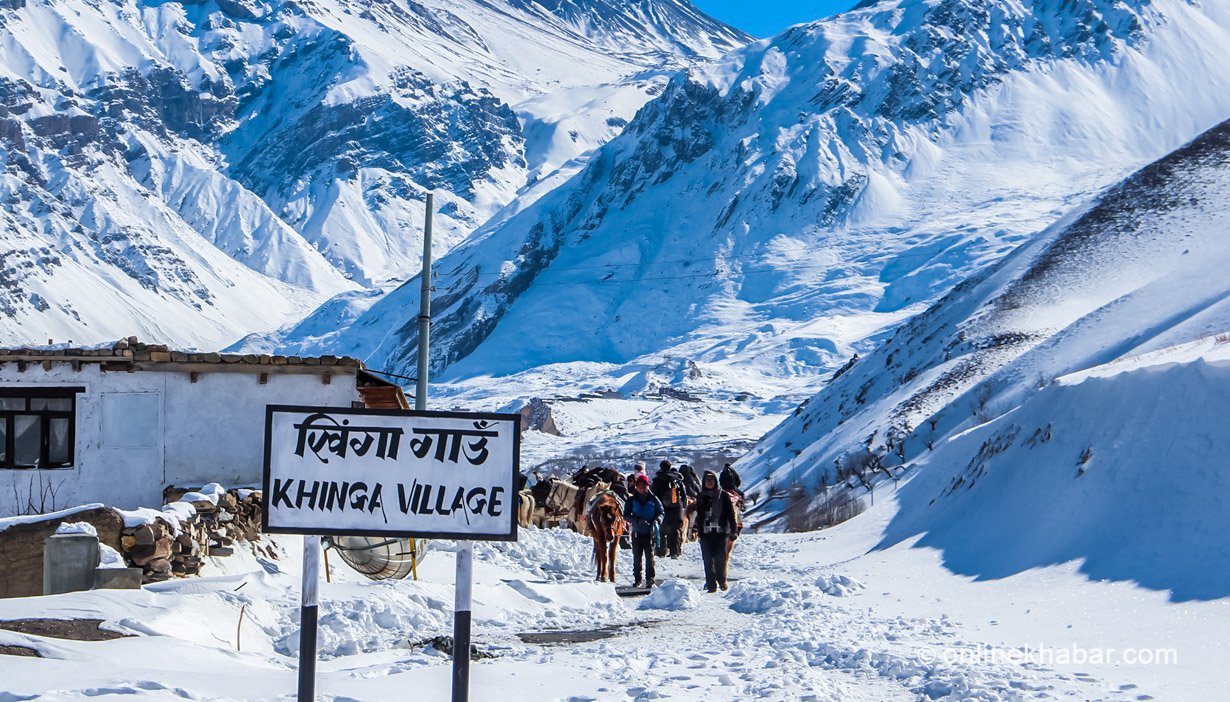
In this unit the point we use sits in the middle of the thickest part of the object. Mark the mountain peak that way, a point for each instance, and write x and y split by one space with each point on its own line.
189 160
676 27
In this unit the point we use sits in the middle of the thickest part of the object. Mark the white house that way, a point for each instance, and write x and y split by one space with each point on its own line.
117 425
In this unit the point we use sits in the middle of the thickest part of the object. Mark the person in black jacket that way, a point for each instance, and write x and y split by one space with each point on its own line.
730 480
690 481
668 486
716 526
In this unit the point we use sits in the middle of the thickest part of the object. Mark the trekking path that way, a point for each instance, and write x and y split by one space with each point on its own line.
801 634
815 616
708 649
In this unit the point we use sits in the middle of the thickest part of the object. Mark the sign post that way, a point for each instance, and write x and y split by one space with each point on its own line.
368 472
308 610
461 621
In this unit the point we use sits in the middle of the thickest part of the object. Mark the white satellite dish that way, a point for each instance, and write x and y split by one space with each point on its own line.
379 557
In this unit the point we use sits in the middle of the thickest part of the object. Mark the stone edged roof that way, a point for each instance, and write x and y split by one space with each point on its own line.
131 350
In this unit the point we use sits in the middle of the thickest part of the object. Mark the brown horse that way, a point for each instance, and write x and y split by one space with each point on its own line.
606 525
580 515
689 515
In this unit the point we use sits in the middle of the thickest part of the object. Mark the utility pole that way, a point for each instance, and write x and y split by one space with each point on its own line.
465 550
420 390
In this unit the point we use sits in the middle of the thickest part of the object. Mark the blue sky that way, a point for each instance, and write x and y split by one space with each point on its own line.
768 17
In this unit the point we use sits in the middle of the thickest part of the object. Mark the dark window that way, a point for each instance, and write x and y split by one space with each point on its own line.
37 427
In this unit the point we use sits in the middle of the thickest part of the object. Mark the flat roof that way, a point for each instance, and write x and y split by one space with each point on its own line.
132 350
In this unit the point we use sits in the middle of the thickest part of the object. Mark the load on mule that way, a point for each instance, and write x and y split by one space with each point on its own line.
691 484
557 501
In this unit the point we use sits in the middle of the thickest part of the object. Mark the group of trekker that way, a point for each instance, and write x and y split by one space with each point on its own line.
656 511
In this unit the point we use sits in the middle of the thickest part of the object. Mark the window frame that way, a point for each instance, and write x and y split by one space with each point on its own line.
8 417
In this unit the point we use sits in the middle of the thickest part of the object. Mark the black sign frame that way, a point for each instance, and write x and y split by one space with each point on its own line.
266 493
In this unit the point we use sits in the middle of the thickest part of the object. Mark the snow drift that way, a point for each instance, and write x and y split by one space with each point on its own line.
1118 469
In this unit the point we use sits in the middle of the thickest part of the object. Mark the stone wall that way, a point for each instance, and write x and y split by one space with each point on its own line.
164 544
21 548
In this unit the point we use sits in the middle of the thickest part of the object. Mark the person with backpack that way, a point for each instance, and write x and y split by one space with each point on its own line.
716 526
670 489
690 482
730 480
643 513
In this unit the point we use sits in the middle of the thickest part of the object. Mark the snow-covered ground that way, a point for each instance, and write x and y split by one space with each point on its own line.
817 616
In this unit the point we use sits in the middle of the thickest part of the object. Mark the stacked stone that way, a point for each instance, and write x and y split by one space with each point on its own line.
151 547
164 551
140 351
130 350
233 519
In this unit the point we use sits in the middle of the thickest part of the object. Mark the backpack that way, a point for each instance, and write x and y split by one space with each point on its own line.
729 479
675 493
691 483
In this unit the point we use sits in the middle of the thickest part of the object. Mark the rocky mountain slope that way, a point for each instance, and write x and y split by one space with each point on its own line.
194 171
1097 350
768 216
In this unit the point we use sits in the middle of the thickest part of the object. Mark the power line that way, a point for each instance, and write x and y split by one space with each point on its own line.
615 268
391 375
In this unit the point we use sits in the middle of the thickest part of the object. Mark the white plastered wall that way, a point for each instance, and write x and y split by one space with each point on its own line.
139 432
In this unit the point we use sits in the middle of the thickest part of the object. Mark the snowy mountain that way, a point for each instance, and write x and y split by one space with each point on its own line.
197 171
1049 403
768 216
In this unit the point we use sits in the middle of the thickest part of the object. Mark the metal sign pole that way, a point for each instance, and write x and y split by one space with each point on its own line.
461 622
465 550
307 618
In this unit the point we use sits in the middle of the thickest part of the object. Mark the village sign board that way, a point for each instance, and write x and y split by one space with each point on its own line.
390 473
